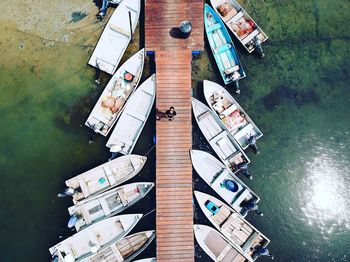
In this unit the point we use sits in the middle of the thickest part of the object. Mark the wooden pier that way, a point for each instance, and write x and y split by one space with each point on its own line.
174 230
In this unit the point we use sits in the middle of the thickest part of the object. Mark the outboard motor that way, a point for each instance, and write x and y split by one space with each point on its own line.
252 206
243 168
72 221
115 150
67 192
55 258
261 251
258 48
252 143
238 91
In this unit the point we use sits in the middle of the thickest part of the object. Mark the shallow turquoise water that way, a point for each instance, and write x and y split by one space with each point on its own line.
298 95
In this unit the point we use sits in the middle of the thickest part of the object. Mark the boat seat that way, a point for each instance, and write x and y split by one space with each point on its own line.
236 17
137 116
222 48
222 215
246 130
74 252
228 111
251 241
123 197
232 223
103 116
146 91
107 170
213 27
224 252
237 158
132 165
116 253
226 147
131 8
119 30
230 14
205 115
109 174
210 128
121 140
84 187
86 215
111 179
105 206
126 141
222 171
232 69
249 37
245 195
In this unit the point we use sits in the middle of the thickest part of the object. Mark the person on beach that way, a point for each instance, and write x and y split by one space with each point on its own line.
169 114
261 251
252 206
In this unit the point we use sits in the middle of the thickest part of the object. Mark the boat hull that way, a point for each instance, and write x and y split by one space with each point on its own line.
239 23
215 245
105 176
239 232
133 119
85 243
125 249
219 138
230 113
110 203
116 37
215 174
222 47
113 99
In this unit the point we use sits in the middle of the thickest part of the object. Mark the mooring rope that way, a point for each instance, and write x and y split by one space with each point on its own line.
149 213
150 149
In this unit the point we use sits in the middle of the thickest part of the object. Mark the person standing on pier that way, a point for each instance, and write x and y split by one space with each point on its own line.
169 114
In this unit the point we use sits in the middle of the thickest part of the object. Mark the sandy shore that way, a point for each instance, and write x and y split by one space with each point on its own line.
70 21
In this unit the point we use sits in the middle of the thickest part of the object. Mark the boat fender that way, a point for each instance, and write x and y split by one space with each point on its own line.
94 249
116 149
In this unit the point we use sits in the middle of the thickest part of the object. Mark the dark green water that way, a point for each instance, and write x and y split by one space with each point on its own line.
298 95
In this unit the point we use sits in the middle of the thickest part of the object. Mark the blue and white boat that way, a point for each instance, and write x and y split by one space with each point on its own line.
222 47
